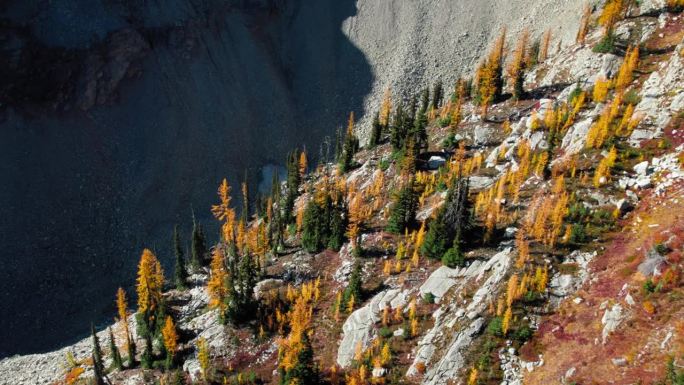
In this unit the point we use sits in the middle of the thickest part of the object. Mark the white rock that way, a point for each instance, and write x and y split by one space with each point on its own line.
358 328
641 168
611 320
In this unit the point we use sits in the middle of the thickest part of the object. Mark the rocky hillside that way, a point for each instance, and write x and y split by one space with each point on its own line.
526 228
123 107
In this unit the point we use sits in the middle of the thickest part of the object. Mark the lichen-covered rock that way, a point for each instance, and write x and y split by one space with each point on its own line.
661 97
442 349
358 328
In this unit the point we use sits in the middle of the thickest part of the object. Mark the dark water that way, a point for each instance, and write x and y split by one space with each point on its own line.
221 92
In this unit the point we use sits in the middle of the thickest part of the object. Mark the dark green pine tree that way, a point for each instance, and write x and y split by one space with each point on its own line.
403 212
376 131
293 181
425 100
232 301
454 257
275 228
131 351
146 359
305 372
311 236
180 272
349 148
436 238
437 94
117 362
354 287
397 133
409 121
419 130
198 245
98 374
98 365
453 219
247 274
533 55
338 226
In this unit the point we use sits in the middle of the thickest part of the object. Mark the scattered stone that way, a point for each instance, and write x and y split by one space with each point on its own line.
620 361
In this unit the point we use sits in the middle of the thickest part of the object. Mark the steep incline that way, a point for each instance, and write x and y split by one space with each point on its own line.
114 108
411 44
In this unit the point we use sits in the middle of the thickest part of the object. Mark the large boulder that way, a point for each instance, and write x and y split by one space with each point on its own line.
358 329
661 97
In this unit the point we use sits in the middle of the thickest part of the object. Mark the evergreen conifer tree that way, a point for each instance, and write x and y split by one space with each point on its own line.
131 351
146 358
338 226
437 94
376 131
350 146
98 373
397 133
198 246
293 182
453 257
180 273
311 237
305 371
98 365
425 100
419 130
436 238
117 362
453 218
403 211
354 287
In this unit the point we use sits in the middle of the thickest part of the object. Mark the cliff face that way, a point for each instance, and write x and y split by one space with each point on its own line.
118 117
118 120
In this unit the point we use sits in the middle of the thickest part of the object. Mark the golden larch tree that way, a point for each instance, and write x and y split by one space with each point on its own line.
386 107
584 24
216 287
150 282
544 47
224 212
170 337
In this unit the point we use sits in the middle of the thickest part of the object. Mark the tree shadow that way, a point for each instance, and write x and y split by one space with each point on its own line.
224 87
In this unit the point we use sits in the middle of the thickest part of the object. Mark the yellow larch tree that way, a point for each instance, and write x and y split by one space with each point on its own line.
584 24
203 357
170 337
473 376
386 354
602 172
302 164
122 308
523 246
512 290
626 73
613 11
150 282
600 130
516 67
601 87
216 287
224 212
386 107
506 322
544 47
